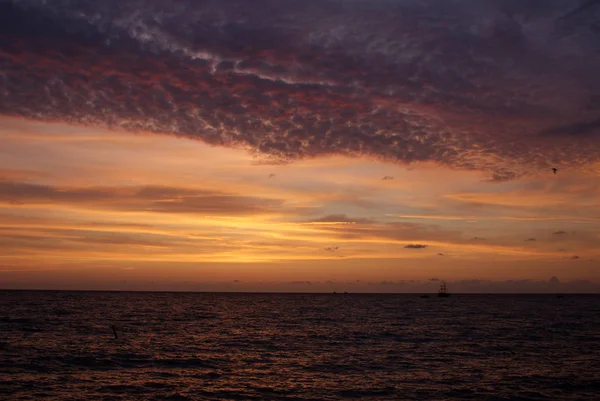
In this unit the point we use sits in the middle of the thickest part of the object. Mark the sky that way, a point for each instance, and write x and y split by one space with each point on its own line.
314 146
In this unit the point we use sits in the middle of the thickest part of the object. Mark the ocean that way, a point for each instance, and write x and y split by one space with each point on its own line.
202 346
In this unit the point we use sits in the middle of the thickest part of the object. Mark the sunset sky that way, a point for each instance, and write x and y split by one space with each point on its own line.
334 145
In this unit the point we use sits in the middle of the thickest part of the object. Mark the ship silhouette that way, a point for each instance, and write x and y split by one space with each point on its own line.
442 291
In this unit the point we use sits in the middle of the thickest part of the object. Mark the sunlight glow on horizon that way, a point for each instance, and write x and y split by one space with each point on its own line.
88 196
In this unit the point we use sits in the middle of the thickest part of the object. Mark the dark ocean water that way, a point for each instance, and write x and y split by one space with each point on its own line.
185 346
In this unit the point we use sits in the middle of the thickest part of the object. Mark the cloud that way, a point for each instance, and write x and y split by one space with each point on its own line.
489 87
160 199
387 178
105 243
561 232
18 175
530 240
586 5
86 241
477 239
340 219
331 249
434 279
414 236
405 232
580 128
440 254
574 257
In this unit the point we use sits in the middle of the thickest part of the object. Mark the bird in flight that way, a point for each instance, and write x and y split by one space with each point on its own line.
554 169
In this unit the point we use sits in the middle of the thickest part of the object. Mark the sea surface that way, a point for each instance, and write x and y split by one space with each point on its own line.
200 346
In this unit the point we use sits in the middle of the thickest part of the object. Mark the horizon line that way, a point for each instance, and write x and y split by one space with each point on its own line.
298 292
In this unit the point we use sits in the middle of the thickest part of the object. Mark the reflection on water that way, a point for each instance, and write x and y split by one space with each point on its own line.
60 345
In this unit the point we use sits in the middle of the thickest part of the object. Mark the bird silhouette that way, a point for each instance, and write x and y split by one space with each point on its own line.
554 169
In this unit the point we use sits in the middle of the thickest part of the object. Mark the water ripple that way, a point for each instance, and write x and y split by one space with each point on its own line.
175 346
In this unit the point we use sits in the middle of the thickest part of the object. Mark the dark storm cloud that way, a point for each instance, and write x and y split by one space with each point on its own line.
499 86
561 232
146 198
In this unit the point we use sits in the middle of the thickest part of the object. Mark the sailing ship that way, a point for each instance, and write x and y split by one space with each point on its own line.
442 291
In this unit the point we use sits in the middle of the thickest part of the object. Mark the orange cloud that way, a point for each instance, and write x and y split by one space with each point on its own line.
114 199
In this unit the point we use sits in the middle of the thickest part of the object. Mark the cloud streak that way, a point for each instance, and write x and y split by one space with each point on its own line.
472 85
416 246
159 199
340 219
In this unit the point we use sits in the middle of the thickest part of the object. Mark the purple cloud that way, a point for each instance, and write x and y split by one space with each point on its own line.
492 88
